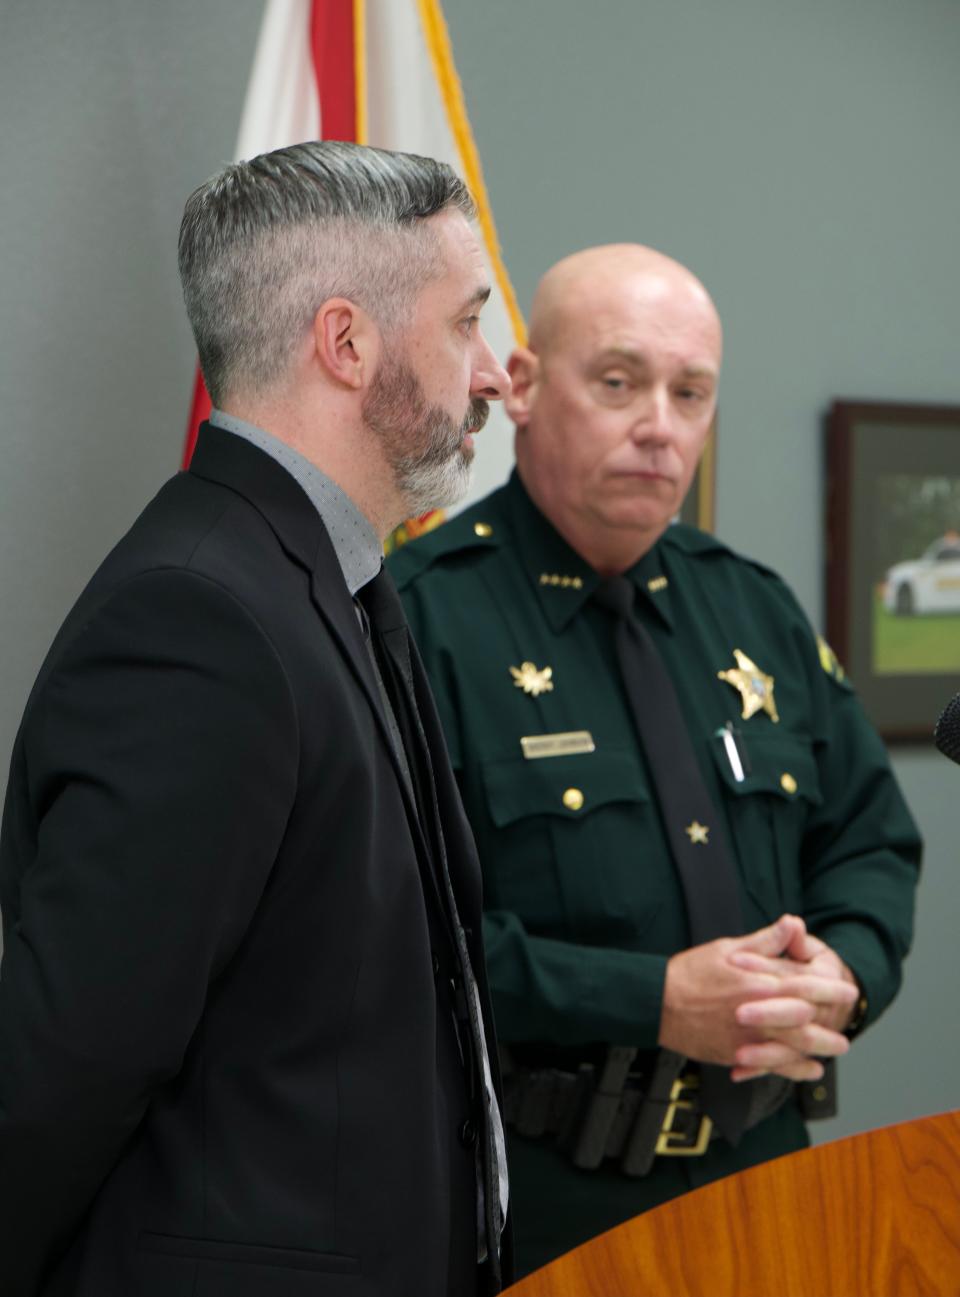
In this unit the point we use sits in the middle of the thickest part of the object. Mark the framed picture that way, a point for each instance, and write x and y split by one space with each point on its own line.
698 504
893 559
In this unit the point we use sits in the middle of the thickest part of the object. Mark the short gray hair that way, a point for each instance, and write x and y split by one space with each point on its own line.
264 243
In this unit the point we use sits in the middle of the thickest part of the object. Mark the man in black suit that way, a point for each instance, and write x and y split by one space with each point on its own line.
244 1028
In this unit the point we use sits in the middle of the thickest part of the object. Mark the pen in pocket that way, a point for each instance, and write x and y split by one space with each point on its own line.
733 752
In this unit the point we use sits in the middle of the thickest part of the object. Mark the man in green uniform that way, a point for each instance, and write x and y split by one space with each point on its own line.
698 868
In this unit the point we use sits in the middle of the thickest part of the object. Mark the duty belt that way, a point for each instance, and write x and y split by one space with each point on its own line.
613 1111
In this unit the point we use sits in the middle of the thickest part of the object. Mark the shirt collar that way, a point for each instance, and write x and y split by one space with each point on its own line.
561 579
354 540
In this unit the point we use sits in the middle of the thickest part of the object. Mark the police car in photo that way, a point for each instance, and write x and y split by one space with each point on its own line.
930 583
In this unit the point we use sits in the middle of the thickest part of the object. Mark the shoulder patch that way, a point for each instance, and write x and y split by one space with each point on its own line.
477 528
831 663
411 529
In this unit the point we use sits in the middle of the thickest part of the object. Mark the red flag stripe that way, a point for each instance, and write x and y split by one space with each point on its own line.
330 34
332 46
200 408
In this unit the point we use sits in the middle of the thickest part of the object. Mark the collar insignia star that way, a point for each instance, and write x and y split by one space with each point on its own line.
753 685
531 681
567 582
697 833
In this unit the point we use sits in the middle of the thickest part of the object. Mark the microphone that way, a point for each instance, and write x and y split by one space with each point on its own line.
946 735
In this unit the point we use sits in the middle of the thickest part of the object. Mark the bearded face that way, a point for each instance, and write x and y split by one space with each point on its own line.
426 447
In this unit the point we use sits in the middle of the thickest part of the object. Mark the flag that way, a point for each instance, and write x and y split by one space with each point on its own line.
377 72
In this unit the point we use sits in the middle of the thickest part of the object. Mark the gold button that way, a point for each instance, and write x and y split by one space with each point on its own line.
483 529
788 783
820 1093
573 799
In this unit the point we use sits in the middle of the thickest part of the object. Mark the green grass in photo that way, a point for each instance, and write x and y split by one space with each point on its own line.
928 642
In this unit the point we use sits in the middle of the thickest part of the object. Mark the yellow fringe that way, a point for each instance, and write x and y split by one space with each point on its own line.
441 54
360 70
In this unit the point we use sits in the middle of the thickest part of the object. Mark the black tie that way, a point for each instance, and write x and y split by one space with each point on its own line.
693 827
390 641
398 663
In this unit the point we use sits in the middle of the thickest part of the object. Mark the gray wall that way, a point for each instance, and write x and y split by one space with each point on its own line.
800 155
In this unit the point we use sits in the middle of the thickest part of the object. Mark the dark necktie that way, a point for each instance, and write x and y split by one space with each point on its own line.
693 826
396 659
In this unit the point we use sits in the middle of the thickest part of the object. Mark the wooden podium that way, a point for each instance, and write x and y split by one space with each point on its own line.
876 1215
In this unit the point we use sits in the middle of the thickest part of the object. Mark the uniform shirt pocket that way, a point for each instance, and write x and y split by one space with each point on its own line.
570 835
769 810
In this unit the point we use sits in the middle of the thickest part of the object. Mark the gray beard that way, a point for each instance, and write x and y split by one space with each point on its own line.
423 445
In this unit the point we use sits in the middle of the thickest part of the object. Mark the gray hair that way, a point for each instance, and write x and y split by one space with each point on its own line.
264 243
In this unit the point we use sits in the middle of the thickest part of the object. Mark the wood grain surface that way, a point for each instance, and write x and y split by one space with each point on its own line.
876 1215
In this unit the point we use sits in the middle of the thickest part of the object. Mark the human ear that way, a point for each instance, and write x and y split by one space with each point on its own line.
345 340
524 370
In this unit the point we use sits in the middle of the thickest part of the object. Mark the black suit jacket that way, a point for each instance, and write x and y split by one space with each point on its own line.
229 1065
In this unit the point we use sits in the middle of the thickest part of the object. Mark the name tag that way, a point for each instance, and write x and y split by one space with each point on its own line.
557 745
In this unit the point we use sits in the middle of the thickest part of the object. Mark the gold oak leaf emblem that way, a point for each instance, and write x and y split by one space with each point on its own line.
697 833
753 685
532 681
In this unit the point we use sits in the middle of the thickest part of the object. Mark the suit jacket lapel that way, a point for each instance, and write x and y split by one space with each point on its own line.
233 462
225 458
336 607
462 860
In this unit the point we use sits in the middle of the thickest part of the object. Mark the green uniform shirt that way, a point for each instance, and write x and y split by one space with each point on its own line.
583 905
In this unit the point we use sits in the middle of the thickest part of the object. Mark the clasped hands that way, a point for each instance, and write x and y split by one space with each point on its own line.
774 1000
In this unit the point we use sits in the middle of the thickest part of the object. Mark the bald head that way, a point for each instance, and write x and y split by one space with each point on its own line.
614 397
591 279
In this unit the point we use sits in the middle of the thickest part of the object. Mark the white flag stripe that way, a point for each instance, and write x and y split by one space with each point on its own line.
406 110
281 106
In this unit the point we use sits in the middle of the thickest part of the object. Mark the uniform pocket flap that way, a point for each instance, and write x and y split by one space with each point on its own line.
782 764
569 786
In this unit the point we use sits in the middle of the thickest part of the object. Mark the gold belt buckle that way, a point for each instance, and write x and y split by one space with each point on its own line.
671 1143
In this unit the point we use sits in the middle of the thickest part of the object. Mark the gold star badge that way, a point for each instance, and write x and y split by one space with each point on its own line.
755 688
697 833
532 681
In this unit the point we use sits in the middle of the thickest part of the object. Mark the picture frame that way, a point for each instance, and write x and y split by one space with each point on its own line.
893 558
699 507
